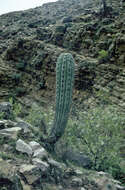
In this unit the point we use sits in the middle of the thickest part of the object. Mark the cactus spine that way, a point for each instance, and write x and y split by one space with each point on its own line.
64 86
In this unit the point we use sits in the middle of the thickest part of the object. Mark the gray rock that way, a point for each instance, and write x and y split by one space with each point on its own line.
56 164
42 165
118 184
105 183
5 110
34 145
23 125
82 188
40 153
25 186
30 172
76 182
7 124
77 158
10 132
23 147
78 172
2 125
9 176
119 187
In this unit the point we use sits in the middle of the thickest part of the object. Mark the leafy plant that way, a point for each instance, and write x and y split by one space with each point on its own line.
5 156
20 66
16 77
98 133
20 91
103 56
16 108
1 115
38 117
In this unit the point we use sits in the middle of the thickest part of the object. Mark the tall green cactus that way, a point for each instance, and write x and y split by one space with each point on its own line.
64 86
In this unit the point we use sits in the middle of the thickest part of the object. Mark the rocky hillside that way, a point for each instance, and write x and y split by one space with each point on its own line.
30 42
26 165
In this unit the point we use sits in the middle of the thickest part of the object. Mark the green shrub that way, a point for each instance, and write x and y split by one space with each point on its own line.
98 133
16 108
1 115
38 118
20 91
16 77
103 56
5 156
61 28
20 66
14 112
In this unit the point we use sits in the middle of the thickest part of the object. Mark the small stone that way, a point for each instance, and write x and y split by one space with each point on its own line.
23 125
40 153
82 188
23 147
101 173
42 165
119 187
56 164
76 182
78 172
25 186
34 145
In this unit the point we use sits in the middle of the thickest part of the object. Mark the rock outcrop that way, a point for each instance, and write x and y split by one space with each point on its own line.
30 47
27 165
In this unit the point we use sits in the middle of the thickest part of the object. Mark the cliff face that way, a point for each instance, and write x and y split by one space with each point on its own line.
30 42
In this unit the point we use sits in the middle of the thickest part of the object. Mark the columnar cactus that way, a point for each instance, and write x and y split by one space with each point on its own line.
64 86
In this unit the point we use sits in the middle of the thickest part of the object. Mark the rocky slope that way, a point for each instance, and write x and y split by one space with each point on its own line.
31 40
26 165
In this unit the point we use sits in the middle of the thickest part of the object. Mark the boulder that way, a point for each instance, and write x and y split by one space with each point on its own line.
40 153
76 182
42 165
79 159
10 132
7 124
8 176
31 173
23 147
56 164
23 125
82 188
34 145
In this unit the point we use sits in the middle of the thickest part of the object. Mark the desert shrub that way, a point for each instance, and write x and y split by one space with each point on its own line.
1 115
98 133
16 108
16 77
39 119
20 66
14 112
103 56
61 28
102 97
19 91
5 156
